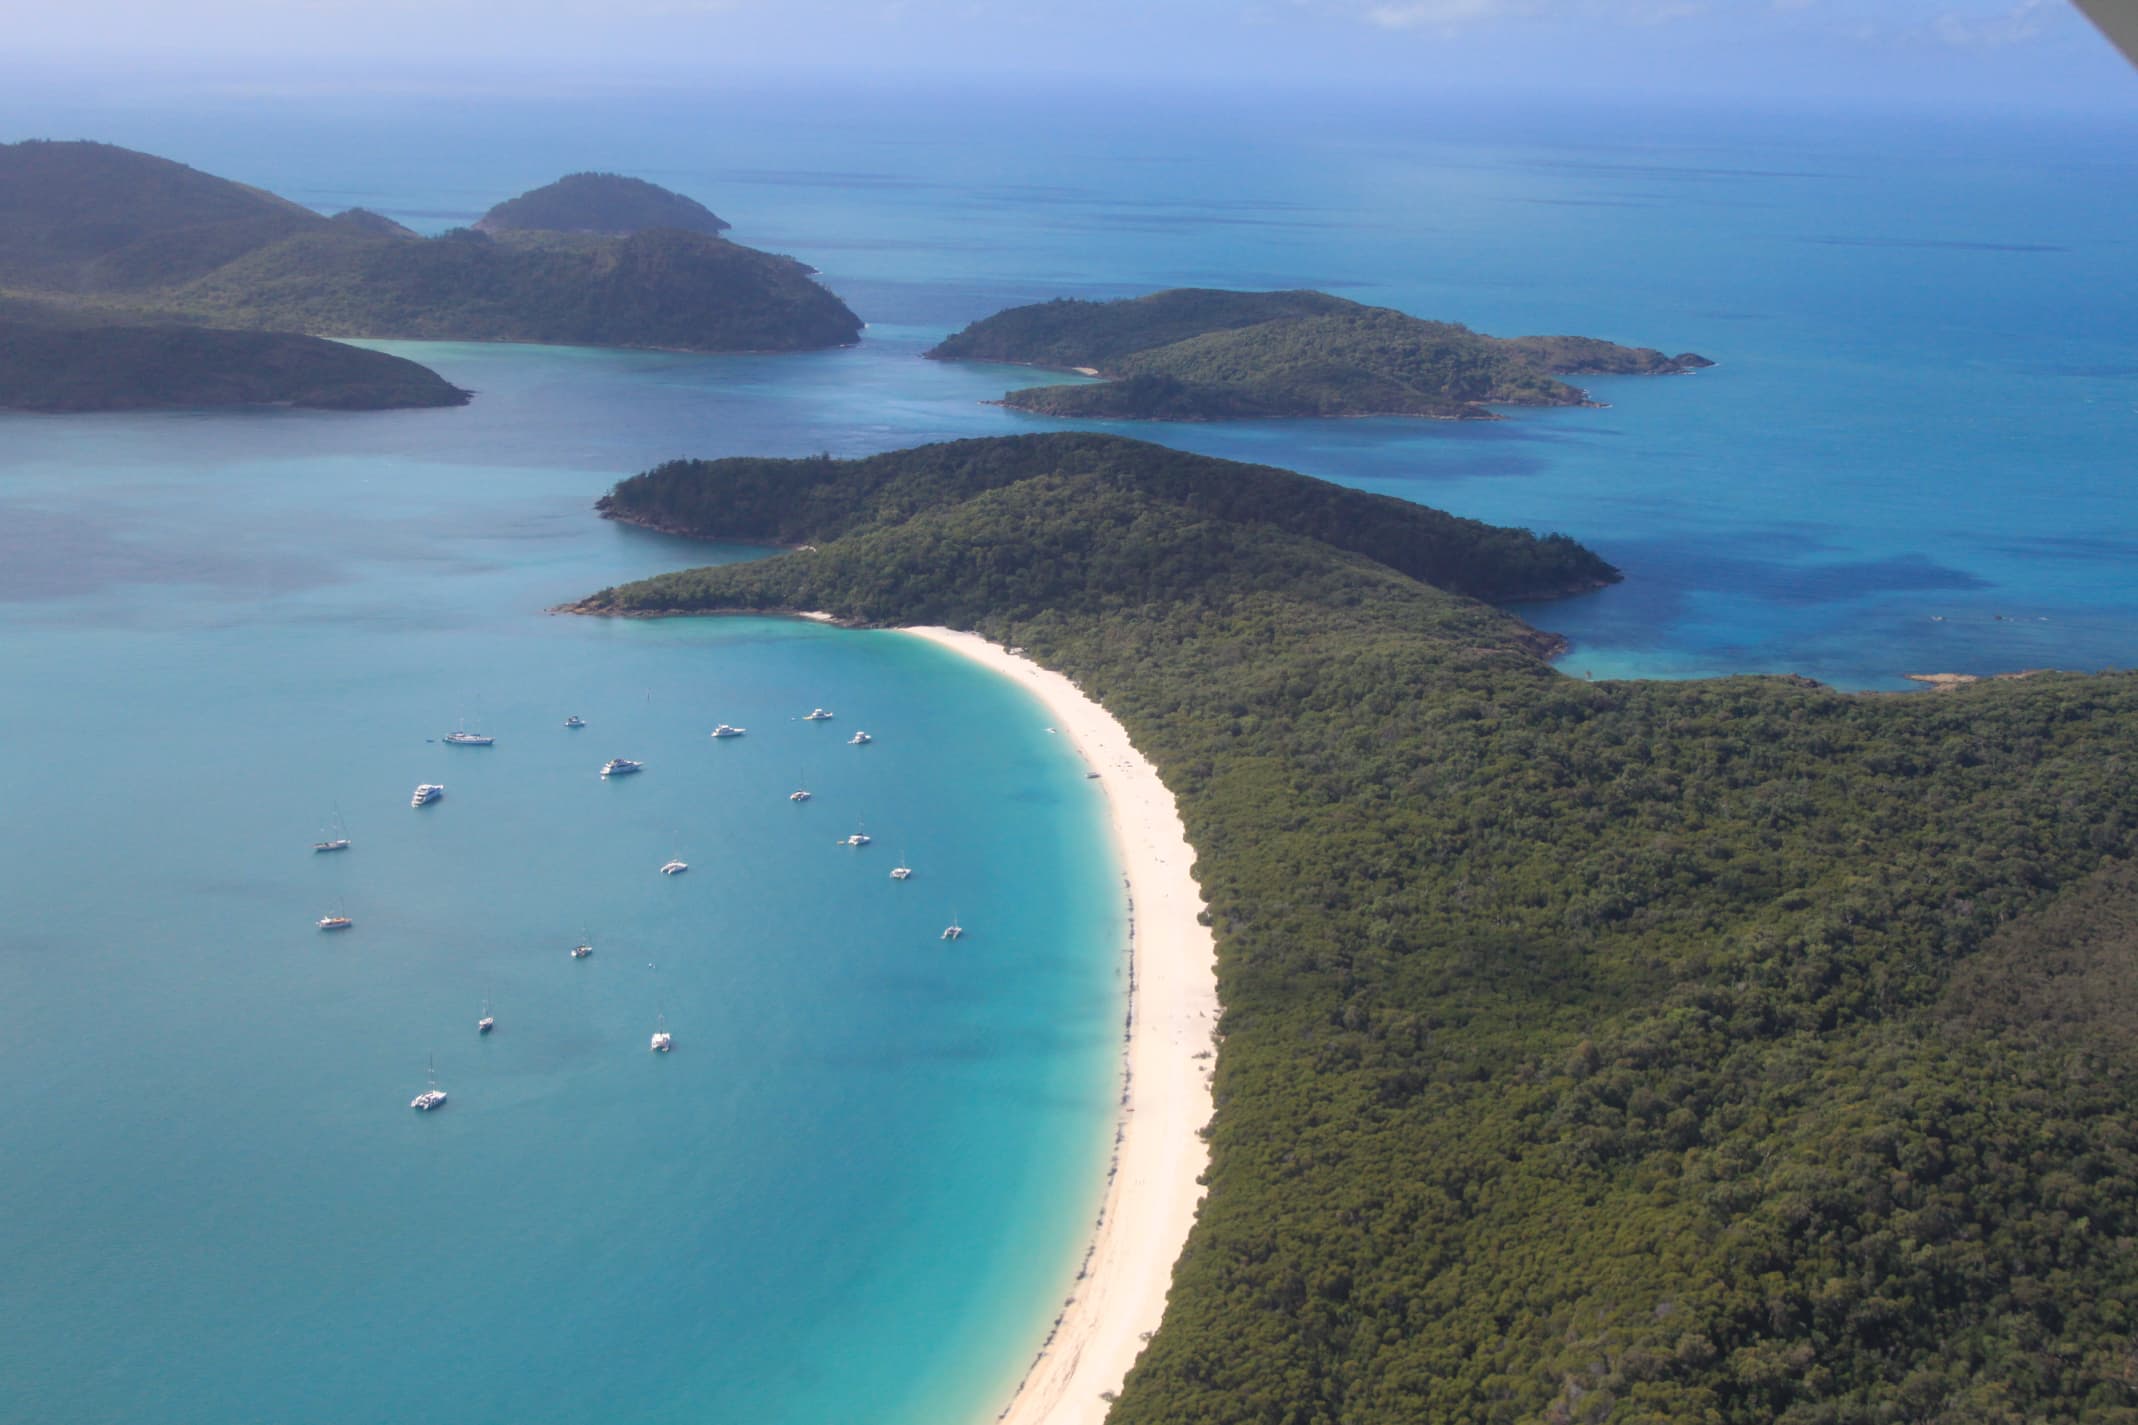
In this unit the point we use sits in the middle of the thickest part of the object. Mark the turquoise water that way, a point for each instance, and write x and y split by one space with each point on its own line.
863 1171
855 1189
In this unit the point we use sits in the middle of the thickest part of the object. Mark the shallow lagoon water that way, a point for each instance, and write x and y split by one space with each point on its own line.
856 1188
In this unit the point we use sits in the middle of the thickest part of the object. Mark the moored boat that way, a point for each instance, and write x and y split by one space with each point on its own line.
432 1097
427 793
621 767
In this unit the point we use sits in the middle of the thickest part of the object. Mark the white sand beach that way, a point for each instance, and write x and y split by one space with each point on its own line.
1152 1193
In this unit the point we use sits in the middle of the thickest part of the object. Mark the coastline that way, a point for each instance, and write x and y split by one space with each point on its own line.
1152 1187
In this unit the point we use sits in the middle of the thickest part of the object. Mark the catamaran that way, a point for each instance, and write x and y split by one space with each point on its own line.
662 1041
675 868
488 1022
859 838
432 1097
901 872
953 931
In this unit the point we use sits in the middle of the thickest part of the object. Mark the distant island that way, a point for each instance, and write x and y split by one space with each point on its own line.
1196 354
124 236
607 203
55 360
1727 1051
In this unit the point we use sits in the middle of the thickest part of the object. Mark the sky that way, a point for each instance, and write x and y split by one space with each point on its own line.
2023 52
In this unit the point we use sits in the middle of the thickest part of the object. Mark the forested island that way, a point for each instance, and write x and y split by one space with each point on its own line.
120 236
608 203
1730 1051
56 359
1197 354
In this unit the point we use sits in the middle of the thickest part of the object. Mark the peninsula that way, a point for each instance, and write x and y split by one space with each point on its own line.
1202 355
57 359
1726 1051
96 225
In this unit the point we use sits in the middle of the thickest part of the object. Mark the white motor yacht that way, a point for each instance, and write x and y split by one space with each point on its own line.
859 739
427 793
817 715
575 721
724 730
620 767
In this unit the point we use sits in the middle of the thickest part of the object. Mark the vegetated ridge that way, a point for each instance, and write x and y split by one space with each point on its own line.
55 359
795 502
1723 1052
600 203
131 232
1201 354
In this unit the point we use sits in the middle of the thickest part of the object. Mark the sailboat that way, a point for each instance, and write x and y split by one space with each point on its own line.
334 837
801 791
487 1022
859 838
901 872
953 931
662 1041
585 947
432 1097
337 921
461 737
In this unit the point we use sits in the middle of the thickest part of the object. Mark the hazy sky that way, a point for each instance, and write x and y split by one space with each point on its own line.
2033 51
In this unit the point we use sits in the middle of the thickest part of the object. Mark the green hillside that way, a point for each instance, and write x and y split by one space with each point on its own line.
1212 355
59 360
94 221
1724 1052
91 217
678 290
606 203
793 502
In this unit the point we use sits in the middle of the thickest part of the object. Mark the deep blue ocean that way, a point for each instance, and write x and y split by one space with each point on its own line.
856 1189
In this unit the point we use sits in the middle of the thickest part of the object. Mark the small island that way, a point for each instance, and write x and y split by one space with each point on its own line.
605 203
129 234
1196 354
59 361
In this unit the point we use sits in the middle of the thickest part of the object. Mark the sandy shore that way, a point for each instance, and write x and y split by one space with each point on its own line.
1151 1191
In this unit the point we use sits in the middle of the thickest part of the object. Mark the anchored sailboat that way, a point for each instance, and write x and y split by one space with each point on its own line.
432 1097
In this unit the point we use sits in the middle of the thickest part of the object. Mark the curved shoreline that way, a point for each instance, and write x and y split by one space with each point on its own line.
1153 1183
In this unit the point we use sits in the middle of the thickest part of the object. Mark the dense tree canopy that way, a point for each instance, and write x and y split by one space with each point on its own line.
810 501
1196 354
1734 1051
